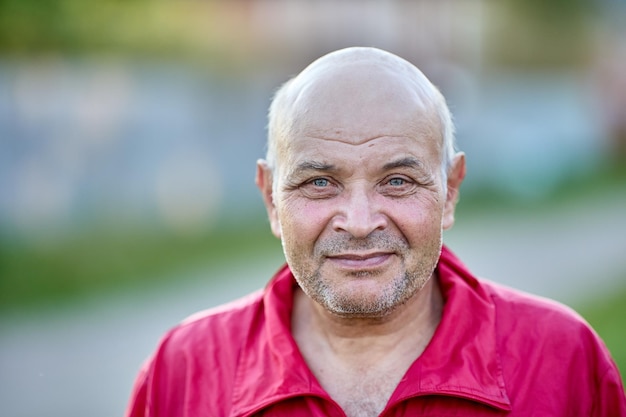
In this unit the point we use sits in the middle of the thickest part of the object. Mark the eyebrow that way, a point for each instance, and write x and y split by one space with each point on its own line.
407 162
314 166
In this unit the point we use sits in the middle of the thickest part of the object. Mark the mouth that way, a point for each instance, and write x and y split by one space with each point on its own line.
360 261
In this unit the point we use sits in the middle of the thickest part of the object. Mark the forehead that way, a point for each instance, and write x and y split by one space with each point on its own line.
360 144
369 157
357 102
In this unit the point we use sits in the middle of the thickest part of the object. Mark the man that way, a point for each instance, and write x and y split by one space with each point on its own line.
371 315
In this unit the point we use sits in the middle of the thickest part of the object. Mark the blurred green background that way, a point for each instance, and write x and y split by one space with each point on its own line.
129 131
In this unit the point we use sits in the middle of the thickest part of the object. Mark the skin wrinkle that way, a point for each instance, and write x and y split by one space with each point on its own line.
313 280
421 125
427 123
400 288
315 166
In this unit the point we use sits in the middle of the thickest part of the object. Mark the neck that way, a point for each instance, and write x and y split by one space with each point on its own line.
361 361
408 328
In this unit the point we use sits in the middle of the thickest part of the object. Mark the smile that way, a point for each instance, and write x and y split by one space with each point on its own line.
360 261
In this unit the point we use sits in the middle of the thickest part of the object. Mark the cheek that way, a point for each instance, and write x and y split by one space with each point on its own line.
418 221
302 222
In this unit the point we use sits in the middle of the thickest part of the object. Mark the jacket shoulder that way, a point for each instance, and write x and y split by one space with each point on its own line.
211 328
547 345
506 298
199 355
539 319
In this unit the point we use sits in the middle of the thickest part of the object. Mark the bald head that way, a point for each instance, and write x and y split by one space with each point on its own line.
365 84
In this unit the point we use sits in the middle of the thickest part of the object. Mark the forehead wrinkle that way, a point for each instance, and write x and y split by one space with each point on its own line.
419 122
323 164
351 140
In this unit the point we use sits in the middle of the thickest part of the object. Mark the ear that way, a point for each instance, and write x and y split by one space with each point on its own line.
456 174
264 180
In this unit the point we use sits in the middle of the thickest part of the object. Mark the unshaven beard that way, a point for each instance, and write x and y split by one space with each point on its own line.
393 295
398 292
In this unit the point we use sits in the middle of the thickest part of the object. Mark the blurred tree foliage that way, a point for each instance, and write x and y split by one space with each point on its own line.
555 11
67 25
539 34
194 30
518 32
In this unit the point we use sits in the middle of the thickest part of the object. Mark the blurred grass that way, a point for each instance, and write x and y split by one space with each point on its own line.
105 260
609 176
606 316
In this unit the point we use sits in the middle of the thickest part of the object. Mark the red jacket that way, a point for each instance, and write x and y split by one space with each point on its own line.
496 352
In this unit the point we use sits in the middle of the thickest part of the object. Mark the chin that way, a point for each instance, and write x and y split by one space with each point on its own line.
370 303
362 311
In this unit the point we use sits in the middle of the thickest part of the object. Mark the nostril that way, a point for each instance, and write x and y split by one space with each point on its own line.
358 213
359 225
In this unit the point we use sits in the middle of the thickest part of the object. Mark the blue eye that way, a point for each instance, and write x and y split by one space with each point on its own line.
396 182
320 182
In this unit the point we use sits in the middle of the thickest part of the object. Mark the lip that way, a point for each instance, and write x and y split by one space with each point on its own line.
360 261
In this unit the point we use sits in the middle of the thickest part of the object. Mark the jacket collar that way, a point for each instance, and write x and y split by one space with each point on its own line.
461 360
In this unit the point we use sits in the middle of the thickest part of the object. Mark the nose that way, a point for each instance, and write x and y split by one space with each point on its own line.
359 214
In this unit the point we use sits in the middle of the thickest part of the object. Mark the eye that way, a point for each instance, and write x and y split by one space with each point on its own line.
319 188
320 182
397 182
397 186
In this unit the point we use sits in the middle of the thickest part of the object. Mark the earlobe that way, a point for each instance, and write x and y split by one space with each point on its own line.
456 174
264 181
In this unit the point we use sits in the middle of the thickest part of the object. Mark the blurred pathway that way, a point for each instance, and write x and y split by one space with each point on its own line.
571 255
81 361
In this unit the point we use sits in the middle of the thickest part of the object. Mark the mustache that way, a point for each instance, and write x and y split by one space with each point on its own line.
375 241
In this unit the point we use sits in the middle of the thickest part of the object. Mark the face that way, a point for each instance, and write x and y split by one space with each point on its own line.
359 204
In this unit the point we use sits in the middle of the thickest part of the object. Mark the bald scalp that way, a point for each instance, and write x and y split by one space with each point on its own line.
368 83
